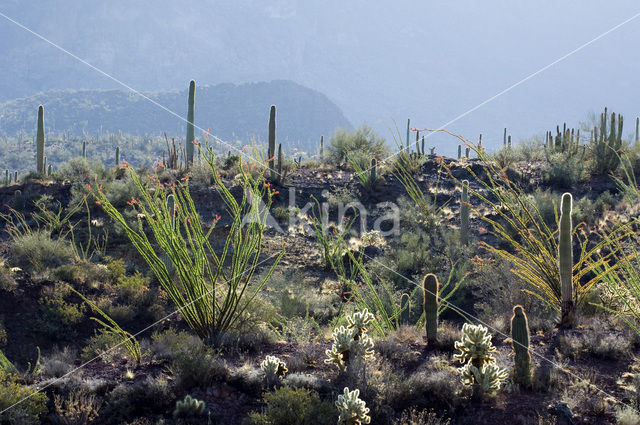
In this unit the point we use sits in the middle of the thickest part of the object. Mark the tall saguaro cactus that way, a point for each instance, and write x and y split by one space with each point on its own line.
190 117
272 142
430 288
464 213
40 167
520 338
321 148
565 261
117 156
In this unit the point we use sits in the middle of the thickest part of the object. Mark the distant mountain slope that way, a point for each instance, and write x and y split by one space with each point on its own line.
230 111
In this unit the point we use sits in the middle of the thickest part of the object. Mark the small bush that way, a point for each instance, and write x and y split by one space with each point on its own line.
289 406
142 398
362 144
37 252
79 408
25 406
564 171
414 416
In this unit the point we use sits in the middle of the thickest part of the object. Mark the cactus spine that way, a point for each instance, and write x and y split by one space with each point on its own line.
272 142
40 161
565 261
520 341
117 156
464 213
190 117
430 288
404 306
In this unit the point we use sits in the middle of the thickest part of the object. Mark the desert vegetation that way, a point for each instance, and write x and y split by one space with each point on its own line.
354 284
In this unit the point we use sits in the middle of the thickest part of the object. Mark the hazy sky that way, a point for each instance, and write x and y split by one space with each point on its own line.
379 61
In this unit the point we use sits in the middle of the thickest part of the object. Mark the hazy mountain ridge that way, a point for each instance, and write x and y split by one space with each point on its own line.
230 111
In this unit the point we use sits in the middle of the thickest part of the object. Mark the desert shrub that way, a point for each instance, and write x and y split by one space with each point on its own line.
104 345
20 405
79 170
414 416
293 406
57 314
505 157
439 388
359 145
7 282
78 408
563 171
530 150
627 416
83 274
36 252
58 363
141 398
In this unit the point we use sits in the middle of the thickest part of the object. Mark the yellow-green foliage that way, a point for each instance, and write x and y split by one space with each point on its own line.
293 406
352 410
16 408
351 341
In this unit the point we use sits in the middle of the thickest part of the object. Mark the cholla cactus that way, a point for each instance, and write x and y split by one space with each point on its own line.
351 341
477 351
274 369
188 407
352 410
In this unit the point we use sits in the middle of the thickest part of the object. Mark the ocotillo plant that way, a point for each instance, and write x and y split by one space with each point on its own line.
190 117
520 342
271 152
430 290
464 213
406 310
117 156
40 161
565 261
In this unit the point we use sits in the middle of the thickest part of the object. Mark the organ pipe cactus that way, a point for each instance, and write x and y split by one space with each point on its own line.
190 127
271 152
464 213
430 290
40 161
520 341
565 261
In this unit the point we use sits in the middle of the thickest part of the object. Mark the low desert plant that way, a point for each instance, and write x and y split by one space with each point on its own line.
79 408
293 406
352 341
352 410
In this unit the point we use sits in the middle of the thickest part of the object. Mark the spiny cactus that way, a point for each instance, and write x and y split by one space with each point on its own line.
271 151
464 213
430 289
351 341
607 144
84 149
476 352
406 309
321 148
504 137
117 156
274 370
520 342
565 261
352 410
459 151
190 120
40 161
373 174
466 152
188 407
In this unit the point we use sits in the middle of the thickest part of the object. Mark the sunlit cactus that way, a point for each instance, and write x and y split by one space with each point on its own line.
190 120
352 410
430 289
565 261
520 341
40 160
274 370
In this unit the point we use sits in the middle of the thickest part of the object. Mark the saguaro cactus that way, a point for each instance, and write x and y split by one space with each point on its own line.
190 117
459 151
408 131
520 342
373 176
84 149
272 142
430 289
280 161
565 261
464 213
40 167
117 156
321 148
